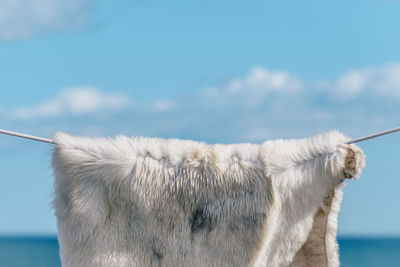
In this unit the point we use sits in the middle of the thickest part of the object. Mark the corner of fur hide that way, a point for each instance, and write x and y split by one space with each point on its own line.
332 247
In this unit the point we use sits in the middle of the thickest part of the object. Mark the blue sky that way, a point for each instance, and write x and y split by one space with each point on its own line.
214 71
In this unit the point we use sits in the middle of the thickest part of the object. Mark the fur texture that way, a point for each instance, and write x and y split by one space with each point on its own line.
166 202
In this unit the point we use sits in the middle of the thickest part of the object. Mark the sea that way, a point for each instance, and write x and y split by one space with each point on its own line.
24 251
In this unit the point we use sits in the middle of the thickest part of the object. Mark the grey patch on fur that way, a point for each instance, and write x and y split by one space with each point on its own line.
157 254
253 223
250 221
201 220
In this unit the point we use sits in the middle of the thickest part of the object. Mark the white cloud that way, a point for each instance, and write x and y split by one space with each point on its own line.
351 83
20 19
262 104
164 105
382 81
262 85
75 101
253 89
262 81
257 104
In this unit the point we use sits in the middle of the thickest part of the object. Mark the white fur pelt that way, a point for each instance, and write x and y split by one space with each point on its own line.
165 202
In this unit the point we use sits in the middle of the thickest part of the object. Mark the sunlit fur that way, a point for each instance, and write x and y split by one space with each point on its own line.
166 202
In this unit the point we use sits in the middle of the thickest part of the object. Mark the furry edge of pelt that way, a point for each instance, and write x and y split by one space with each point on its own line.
166 202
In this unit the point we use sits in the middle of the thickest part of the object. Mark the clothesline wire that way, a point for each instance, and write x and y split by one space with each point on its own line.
27 136
50 141
373 135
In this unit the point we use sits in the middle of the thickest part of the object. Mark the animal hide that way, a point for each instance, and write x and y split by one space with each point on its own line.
165 202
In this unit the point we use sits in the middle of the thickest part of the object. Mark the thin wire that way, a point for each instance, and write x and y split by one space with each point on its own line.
373 135
27 136
46 140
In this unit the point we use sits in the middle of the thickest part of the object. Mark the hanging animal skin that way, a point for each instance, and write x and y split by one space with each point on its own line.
166 202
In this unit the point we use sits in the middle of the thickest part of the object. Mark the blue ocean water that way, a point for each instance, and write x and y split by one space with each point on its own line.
29 251
43 252
368 252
